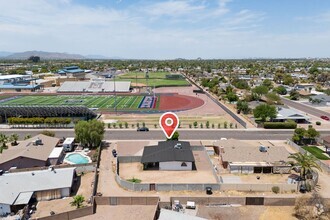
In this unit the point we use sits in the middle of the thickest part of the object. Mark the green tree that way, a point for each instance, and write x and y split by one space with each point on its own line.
265 111
298 135
281 90
243 106
13 139
260 90
3 140
207 124
175 136
232 97
78 201
306 161
288 80
89 133
268 83
311 134
294 95
272 98
195 124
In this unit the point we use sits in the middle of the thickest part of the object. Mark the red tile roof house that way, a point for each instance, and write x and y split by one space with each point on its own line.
37 151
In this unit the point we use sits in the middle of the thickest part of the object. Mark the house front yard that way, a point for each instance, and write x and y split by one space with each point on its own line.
317 152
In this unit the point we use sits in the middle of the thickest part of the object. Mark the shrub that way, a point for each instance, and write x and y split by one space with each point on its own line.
137 124
231 125
207 124
126 125
318 123
276 189
195 124
114 125
225 124
236 125
190 126
143 124
280 125
120 125
212 125
219 126
201 125
155 125
134 180
109 125
133 125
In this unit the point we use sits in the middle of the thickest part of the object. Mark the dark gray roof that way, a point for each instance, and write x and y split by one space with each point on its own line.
168 151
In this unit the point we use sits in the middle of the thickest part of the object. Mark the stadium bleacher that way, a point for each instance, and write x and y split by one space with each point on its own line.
95 86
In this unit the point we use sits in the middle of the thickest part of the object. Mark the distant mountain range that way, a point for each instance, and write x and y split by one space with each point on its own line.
49 56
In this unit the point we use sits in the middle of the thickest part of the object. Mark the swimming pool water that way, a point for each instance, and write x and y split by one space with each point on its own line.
77 158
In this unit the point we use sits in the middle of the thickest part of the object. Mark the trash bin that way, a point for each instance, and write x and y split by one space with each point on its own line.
209 190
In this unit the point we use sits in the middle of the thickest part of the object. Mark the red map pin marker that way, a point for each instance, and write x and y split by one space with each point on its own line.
169 122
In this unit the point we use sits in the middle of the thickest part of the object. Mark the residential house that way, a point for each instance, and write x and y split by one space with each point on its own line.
284 114
168 155
241 157
19 188
305 86
320 99
37 151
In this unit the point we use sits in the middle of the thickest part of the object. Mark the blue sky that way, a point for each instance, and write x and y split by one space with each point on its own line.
168 29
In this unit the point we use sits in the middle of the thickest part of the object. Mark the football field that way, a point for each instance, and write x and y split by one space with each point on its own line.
91 101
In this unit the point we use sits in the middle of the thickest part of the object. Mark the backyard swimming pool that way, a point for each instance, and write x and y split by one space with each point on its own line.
77 158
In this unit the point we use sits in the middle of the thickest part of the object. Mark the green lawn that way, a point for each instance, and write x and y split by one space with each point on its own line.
155 79
90 101
317 152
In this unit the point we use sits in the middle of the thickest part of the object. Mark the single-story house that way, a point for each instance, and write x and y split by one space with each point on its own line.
284 114
305 86
33 152
320 99
168 155
18 189
241 157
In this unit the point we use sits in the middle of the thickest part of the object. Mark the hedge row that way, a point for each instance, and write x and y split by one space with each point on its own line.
39 120
280 125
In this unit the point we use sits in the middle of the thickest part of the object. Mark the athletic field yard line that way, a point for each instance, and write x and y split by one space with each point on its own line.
105 102
136 97
98 101
118 102
91 104
137 101
129 99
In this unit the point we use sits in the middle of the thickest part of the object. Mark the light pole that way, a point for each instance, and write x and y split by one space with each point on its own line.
114 89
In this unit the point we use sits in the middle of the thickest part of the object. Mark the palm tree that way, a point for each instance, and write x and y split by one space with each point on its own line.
78 200
13 139
306 161
3 141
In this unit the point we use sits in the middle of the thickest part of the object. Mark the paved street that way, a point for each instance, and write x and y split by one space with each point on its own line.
184 134
305 108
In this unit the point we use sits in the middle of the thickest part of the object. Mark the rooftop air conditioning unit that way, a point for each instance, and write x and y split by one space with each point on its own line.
178 146
38 141
262 149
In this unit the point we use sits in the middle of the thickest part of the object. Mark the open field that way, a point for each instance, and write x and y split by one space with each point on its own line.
155 79
90 101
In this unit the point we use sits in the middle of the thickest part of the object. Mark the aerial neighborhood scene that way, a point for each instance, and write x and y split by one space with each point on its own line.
167 109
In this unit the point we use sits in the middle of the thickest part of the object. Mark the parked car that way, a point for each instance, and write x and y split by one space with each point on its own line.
143 129
114 153
324 117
